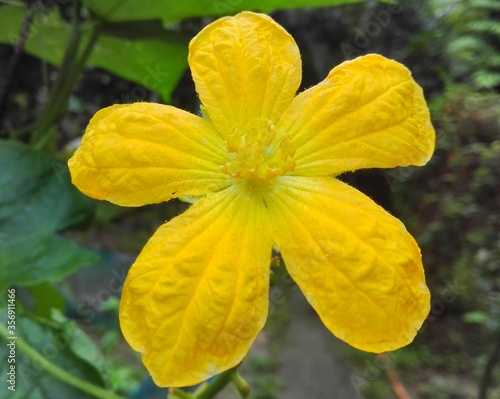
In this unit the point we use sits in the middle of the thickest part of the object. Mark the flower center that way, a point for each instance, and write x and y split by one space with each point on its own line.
254 157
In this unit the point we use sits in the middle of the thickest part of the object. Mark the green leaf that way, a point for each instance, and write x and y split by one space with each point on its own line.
143 53
37 200
152 57
56 345
81 345
173 10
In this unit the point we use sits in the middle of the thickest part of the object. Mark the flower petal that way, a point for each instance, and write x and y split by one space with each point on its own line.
356 264
245 67
145 153
196 297
368 113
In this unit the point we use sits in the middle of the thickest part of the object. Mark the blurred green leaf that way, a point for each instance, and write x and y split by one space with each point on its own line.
486 79
486 26
56 345
112 303
476 317
37 200
81 345
173 10
143 53
46 298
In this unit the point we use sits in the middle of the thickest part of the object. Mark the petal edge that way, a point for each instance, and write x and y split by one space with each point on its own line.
144 153
196 297
245 68
356 264
368 113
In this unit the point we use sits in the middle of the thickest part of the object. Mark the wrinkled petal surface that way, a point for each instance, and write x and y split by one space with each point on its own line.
246 69
196 297
145 153
368 113
356 264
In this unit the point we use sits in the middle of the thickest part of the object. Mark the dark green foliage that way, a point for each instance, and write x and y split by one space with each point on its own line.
452 205
61 343
37 201
459 195
474 39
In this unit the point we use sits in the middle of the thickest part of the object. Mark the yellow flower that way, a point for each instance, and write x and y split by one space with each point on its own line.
262 160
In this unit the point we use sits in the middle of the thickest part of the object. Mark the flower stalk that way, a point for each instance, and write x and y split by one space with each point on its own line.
68 74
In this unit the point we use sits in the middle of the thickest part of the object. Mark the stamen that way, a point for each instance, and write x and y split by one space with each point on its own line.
252 157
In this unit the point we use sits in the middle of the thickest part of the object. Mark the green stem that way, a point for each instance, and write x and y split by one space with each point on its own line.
241 385
22 131
51 110
208 391
56 371
177 393
69 55
68 75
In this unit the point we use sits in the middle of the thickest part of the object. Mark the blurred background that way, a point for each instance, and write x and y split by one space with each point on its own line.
67 256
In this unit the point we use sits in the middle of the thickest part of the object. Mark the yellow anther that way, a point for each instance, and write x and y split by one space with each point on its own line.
252 157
